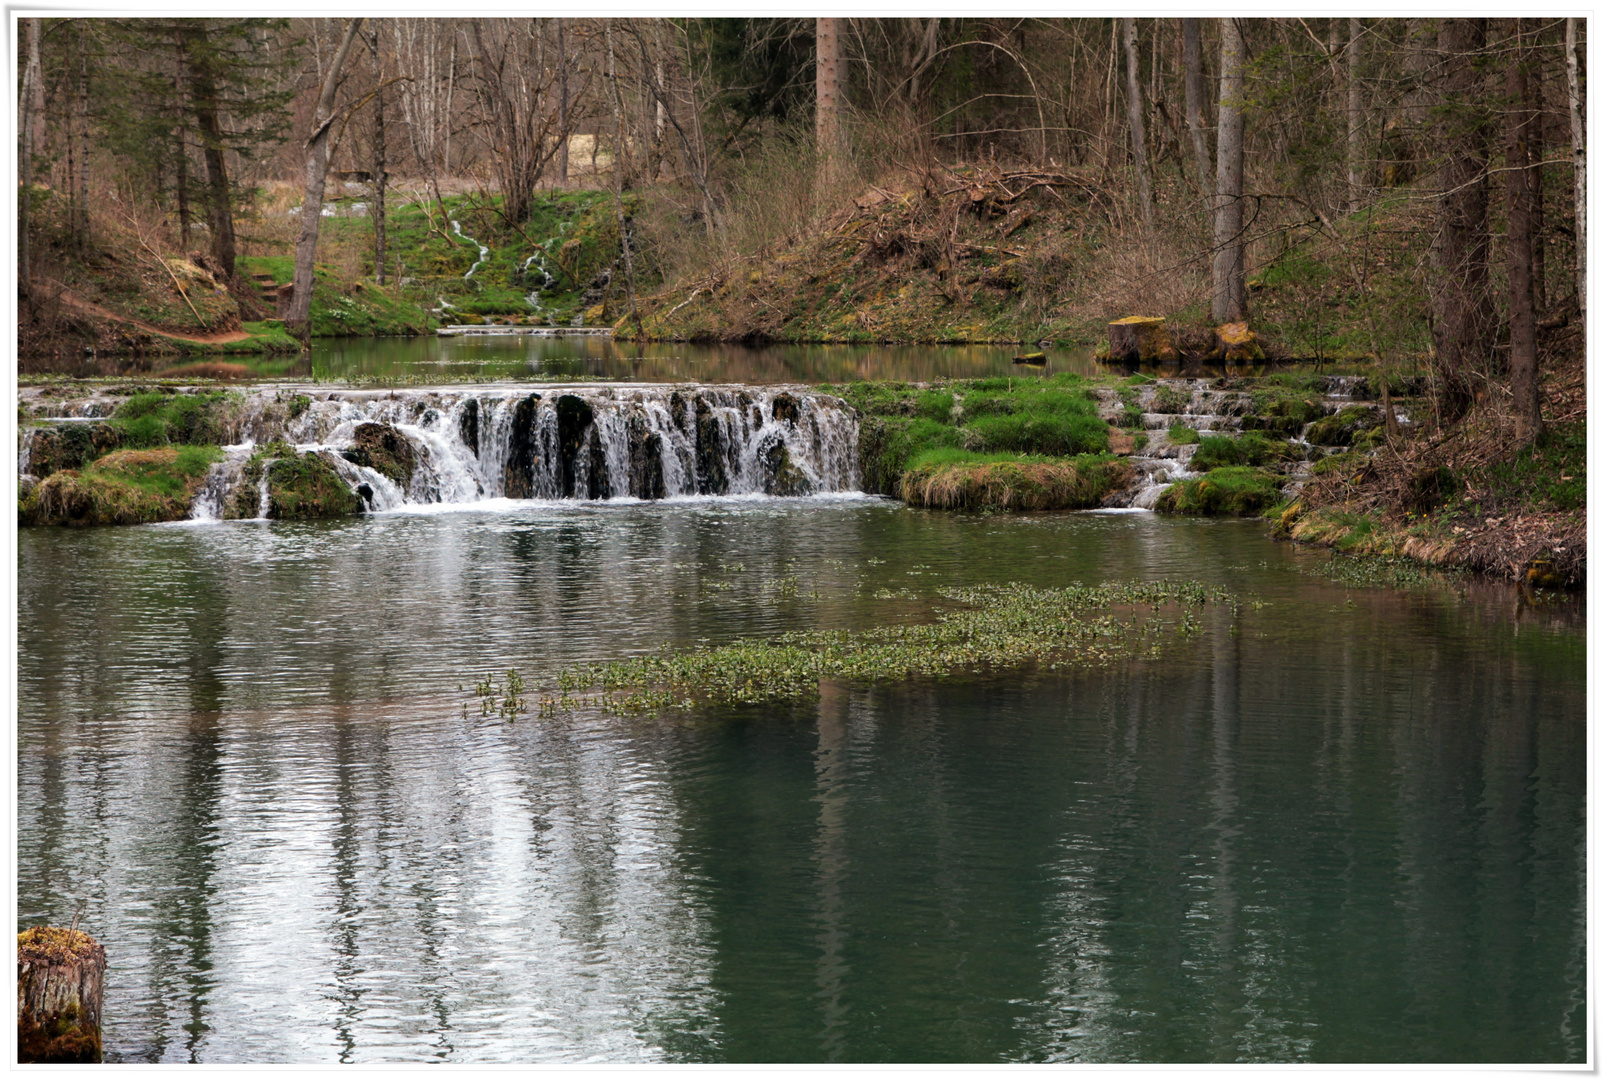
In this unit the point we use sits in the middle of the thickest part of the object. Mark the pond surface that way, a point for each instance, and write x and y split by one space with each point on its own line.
435 360
1346 826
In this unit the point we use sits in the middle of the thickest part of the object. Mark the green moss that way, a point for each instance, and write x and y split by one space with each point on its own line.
125 487
1251 448
956 480
1345 428
299 486
1181 435
1237 491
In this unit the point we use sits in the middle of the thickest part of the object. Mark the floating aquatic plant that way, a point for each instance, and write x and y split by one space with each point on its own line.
995 628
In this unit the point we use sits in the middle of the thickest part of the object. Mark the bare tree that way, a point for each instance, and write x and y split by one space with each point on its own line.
1520 121
1191 32
300 309
1578 151
1355 116
1229 252
1138 133
31 104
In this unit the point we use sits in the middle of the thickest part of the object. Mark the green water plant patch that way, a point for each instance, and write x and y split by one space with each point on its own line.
977 629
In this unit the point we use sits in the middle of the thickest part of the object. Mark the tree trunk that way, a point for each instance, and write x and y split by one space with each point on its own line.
300 304
181 159
80 171
831 144
60 976
1521 293
1462 316
203 99
617 181
1355 117
32 90
380 177
1195 95
1578 150
1229 252
1138 132
562 103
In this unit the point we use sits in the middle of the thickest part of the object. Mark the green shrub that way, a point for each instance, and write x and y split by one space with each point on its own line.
1180 435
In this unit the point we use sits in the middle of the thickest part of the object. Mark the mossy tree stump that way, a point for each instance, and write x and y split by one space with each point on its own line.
60 974
1234 343
1140 339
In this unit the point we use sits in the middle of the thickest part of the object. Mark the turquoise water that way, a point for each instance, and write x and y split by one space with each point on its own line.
1346 825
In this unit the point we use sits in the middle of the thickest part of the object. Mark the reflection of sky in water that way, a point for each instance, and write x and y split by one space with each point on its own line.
1350 830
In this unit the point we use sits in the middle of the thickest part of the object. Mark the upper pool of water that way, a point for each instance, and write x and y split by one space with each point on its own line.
434 360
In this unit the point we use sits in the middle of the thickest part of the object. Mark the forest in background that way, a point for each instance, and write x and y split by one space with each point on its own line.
1404 188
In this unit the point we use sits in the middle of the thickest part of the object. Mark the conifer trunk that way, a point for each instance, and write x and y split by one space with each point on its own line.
1462 309
827 88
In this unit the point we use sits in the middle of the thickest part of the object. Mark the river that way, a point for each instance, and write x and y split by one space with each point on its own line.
1346 825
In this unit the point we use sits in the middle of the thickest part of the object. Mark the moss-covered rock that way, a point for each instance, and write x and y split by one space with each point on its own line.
1345 428
300 486
383 448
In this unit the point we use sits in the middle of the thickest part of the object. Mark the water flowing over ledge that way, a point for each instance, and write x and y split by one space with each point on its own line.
581 442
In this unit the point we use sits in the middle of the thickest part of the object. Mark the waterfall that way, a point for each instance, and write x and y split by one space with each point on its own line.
484 252
589 442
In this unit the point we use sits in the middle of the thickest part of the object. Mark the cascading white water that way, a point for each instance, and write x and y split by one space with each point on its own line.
224 477
647 442
484 252
264 497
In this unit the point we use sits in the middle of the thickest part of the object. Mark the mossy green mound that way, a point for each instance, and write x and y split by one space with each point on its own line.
1238 491
1015 417
950 480
125 487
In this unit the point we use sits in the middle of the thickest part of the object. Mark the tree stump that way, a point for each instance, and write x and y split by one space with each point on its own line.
59 978
1234 343
1140 339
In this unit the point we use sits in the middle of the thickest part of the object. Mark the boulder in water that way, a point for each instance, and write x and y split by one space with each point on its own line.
574 419
517 478
785 409
382 448
781 475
